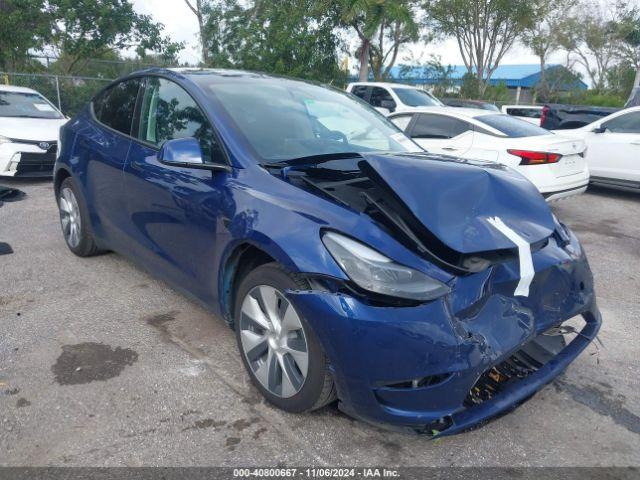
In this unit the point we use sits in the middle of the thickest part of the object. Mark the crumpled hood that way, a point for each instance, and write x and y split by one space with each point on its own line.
454 199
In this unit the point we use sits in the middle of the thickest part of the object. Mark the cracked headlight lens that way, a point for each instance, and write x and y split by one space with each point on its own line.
376 273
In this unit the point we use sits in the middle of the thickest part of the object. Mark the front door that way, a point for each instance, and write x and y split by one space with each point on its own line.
615 153
175 212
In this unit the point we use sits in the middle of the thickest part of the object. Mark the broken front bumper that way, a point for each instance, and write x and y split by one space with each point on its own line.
420 367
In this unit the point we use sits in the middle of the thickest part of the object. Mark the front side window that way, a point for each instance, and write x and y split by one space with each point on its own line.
26 105
511 126
627 123
283 119
416 98
402 121
438 127
168 112
115 106
381 98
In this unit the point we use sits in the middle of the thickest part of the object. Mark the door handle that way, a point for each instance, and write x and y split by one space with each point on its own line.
635 142
451 149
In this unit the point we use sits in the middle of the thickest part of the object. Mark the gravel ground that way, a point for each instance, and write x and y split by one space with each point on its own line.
102 365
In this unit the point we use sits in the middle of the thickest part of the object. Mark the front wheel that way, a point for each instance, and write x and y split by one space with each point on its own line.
279 349
74 220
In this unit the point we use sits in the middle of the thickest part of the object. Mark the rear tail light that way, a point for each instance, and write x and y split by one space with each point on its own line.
543 116
535 158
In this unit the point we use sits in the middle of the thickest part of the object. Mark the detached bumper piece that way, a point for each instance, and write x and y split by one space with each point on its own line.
37 164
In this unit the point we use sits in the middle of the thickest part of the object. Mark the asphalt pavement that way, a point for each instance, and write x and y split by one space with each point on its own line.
103 365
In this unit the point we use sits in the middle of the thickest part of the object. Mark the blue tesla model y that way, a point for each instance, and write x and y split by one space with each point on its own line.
419 291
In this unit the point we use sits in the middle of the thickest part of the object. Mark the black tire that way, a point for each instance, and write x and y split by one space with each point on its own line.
318 388
86 246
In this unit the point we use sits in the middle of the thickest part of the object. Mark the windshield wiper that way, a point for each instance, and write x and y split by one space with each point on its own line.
312 159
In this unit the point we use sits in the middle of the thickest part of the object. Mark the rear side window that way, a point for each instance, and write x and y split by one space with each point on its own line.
438 126
525 112
512 127
168 112
115 106
627 123
360 91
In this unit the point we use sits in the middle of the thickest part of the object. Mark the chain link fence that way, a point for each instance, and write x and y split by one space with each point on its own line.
68 93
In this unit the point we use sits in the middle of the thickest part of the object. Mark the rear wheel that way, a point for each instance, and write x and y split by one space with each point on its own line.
279 349
74 221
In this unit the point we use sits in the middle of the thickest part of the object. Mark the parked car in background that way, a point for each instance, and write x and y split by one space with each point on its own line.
29 125
392 97
553 163
561 117
465 103
528 113
613 148
424 292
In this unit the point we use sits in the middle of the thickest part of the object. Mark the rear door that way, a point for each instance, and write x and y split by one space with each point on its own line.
615 153
104 145
174 211
441 134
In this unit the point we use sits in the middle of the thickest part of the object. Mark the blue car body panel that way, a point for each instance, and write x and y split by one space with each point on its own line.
187 225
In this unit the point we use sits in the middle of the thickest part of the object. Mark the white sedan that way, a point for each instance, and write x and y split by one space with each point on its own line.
29 125
613 148
553 163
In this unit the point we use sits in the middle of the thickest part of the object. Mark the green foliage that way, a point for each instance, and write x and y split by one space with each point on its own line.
470 87
23 26
85 29
485 29
288 37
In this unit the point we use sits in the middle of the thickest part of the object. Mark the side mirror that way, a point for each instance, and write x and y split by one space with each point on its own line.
186 153
599 129
388 104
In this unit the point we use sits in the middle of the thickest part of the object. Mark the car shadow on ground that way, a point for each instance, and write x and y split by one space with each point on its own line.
615 193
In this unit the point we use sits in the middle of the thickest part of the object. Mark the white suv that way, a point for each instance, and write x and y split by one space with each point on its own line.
393 97
29 125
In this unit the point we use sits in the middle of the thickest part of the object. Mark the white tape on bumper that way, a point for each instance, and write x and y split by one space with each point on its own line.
524 254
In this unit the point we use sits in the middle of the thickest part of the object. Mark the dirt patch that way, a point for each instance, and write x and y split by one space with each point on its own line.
91 362
205 423
159 321
22 402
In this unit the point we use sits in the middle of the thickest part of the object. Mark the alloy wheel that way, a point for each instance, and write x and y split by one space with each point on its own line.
70 217
273 341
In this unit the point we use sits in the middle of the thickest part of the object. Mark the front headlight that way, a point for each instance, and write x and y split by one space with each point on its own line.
4 139
376 273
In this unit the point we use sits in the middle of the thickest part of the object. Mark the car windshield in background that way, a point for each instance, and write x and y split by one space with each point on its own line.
26 105
416 98
512 127
283 120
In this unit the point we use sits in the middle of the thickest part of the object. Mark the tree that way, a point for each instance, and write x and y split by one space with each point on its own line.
542 36
24 25
397 27
288 37
590 35
198 10
629 40
85 29
484 29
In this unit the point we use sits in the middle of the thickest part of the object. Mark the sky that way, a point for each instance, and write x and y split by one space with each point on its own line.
181 24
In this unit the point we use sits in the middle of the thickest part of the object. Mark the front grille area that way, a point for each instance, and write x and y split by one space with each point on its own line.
529 359
37 163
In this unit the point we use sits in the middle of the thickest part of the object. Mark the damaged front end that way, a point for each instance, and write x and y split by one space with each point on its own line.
491 339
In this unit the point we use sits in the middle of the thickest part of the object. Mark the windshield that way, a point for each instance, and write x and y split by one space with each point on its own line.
511 126
284 119
27 105
413 97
